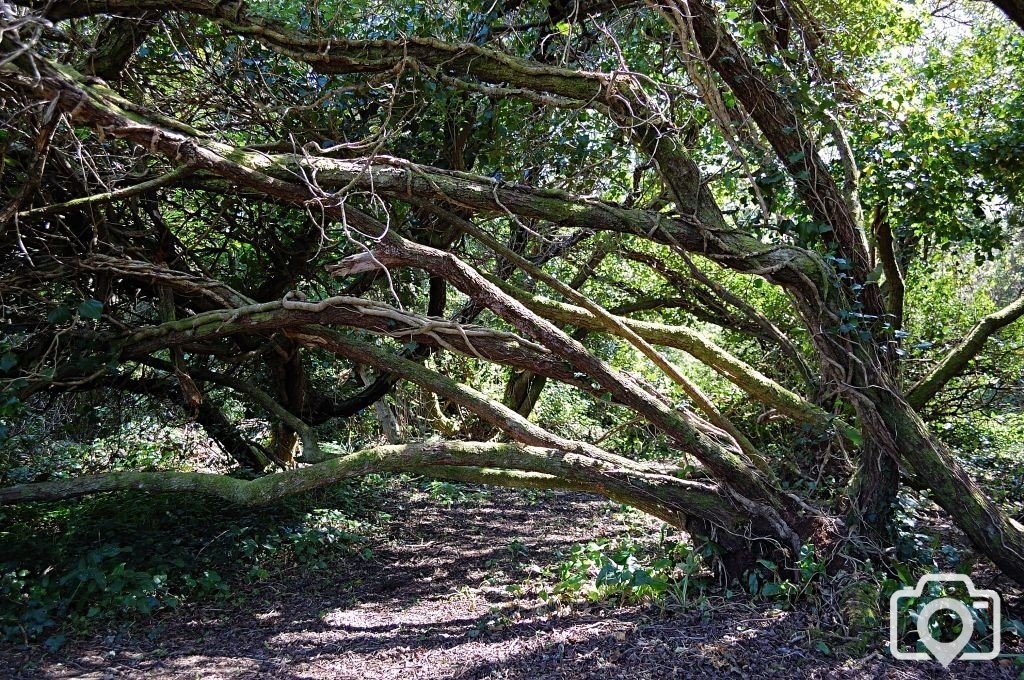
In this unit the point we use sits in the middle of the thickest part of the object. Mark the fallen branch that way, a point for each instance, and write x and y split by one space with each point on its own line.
669 498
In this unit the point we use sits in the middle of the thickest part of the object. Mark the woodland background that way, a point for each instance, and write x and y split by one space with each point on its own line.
726 292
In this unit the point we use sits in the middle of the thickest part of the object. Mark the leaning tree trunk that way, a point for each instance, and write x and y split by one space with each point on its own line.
890 426
988 527
744 501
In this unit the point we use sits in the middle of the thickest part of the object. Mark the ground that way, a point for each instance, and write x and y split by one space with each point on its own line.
433 601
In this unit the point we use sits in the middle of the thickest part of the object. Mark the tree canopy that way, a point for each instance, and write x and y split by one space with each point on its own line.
751 268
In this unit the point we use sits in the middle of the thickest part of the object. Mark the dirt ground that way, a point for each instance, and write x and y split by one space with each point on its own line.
433 603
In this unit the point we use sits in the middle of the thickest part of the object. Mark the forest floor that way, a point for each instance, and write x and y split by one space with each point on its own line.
434 601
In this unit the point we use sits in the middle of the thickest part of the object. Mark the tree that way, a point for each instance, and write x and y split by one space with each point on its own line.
209 199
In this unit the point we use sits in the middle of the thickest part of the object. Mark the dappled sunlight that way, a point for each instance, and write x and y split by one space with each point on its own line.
497 339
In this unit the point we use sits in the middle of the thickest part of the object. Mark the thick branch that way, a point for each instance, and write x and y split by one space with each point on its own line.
375 317
746 377
1014 9
961 355
667 497
895 284
778 121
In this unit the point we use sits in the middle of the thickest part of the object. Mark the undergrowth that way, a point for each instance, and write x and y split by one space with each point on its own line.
66 568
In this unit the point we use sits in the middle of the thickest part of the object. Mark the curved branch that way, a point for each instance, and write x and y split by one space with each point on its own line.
310 448
669 498
275 176
375 317
741 374
337 54
1014 10
961 355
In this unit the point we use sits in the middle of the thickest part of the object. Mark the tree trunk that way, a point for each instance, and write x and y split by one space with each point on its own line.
987 526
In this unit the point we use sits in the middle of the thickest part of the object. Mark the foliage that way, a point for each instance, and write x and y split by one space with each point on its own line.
807 212
625 572
71 567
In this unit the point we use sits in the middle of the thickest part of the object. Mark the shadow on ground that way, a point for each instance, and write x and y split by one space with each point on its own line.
433 603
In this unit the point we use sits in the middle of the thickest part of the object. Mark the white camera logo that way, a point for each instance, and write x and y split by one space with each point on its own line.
946 652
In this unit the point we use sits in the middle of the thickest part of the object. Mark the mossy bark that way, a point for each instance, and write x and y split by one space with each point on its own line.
669 498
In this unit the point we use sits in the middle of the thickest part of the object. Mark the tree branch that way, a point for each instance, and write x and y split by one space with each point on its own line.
1014 9
109 196
957 359
741 374
669 498
895 285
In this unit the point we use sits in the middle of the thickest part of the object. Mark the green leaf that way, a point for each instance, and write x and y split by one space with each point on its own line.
59 314
822 647
8 361
90 309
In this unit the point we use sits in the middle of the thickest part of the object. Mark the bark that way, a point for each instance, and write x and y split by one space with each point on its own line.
668 498
289 377
185 145
743 375
475 341
961 355
385 416
895 287
1014 9
876 479
116 44
522 391
246 453
848 363
621 96
990 529
884 413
